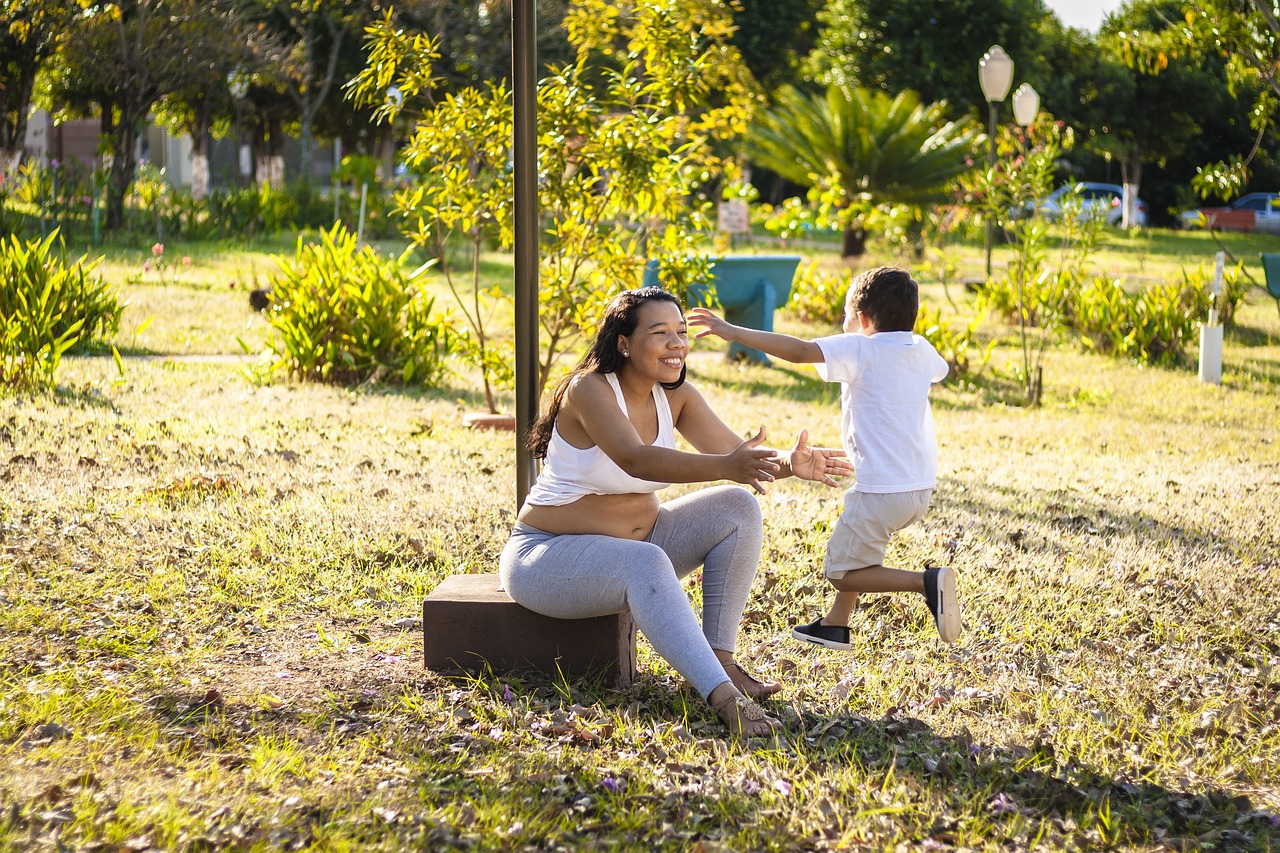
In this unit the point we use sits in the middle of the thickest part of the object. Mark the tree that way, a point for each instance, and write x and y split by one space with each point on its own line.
629 136
118 60
474 39
774 36
1246 33
1143 113
304 61
224 50
30 34
863 148
928 47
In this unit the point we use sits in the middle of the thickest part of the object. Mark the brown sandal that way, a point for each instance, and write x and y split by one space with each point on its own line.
749 685
745 719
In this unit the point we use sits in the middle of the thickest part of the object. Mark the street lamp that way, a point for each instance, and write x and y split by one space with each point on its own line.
1026 105
995 75
238 84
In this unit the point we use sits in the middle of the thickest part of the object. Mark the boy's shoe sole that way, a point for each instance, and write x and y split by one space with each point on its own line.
940 593
829 636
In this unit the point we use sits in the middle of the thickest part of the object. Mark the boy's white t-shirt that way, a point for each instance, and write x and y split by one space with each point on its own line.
885 419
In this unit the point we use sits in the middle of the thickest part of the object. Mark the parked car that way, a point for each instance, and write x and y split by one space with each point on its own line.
1252 212
1095 199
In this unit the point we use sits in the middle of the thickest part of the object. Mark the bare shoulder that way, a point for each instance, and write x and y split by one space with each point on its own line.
686 394
586 387
589 394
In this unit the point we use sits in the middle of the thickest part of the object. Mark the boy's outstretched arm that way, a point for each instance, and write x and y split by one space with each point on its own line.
786 347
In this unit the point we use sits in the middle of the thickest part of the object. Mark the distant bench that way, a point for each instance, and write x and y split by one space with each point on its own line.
468 621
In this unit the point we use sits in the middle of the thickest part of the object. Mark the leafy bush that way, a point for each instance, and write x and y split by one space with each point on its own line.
1158 325
817 296
1229 298
235 212
343 314
263 209
957 346
47 308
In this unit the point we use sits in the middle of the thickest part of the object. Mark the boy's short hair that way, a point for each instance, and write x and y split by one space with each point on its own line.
888 296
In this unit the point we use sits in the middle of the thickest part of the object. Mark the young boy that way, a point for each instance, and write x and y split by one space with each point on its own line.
885 373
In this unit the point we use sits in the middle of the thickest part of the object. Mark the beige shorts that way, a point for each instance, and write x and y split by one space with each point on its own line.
863 530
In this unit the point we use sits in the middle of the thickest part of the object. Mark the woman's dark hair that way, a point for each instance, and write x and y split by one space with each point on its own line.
620 318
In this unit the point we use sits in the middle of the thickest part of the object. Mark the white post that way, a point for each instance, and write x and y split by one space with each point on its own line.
1211 332
364 191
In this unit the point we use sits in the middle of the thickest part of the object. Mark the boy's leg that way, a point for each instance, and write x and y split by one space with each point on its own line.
879 578
854 565
842 607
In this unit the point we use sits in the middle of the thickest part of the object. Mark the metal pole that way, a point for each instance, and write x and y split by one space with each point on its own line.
991 162
524 55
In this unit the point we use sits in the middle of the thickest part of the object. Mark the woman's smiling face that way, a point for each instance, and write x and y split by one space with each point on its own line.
660 342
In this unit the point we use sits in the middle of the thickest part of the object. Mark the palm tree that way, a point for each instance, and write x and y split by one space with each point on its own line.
869 147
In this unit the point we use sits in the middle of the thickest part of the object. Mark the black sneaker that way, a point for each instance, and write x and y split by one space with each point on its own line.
831 636
940 593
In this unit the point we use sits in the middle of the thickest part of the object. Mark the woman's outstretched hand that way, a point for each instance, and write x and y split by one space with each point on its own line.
752 464
818 463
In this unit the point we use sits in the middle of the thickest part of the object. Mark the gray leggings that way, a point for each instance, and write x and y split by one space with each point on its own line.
580 576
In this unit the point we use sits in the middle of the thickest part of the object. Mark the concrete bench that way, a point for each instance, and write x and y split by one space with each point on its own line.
468 621
749 288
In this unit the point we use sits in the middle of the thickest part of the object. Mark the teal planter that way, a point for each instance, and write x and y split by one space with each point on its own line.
749 288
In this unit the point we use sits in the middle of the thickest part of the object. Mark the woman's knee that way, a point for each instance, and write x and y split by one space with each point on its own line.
739 504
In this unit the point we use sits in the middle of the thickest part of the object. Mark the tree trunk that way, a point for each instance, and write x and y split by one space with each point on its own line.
199 176
305 144
10 160
120 178
854 242
1131 177
13 121
200 151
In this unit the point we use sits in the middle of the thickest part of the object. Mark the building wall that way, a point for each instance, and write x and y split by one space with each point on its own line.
78 139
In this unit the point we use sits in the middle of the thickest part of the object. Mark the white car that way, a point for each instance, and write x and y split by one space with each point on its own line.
1095 199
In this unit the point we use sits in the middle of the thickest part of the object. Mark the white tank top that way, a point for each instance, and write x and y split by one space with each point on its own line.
570 472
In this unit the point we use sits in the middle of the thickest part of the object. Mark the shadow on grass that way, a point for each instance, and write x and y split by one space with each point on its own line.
1249 336
1032 783
558 759
996 518
87 397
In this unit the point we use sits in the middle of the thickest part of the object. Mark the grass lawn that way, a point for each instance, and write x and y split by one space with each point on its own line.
210 591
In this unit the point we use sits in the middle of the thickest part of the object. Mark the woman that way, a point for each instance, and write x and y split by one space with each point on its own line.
592 538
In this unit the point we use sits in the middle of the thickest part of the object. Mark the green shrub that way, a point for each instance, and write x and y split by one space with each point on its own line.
47 308
343 314
818 296
957 346
1158 325
235 212
1200 281
1042 297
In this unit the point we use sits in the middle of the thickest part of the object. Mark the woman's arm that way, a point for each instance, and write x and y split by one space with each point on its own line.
701 427
591 409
